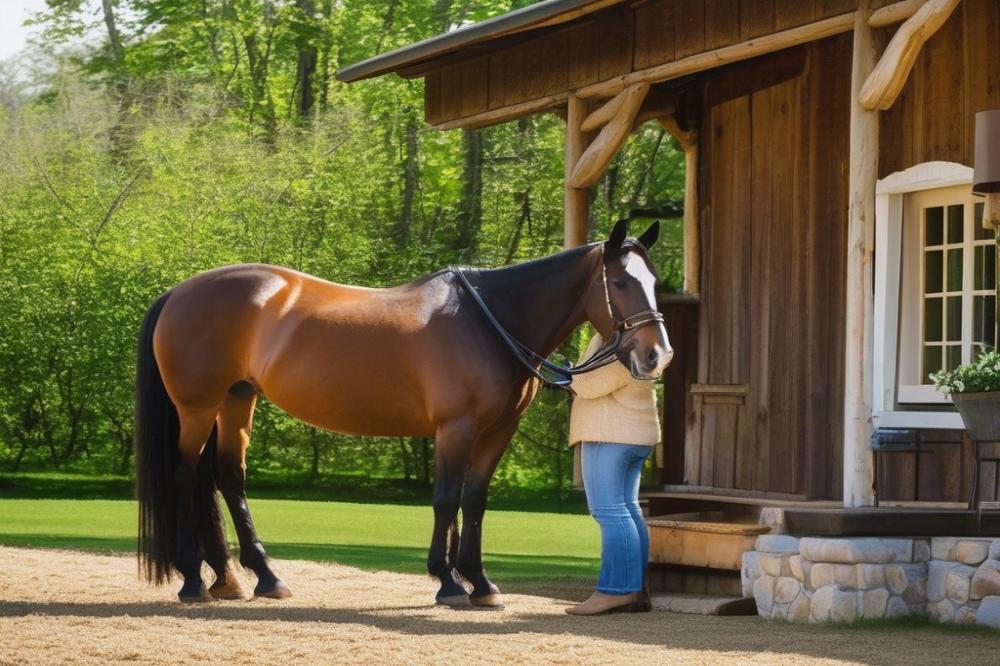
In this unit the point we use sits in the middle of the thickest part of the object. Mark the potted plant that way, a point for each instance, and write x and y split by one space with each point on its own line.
975 390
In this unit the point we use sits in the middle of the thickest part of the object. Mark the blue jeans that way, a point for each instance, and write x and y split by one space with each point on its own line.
611 475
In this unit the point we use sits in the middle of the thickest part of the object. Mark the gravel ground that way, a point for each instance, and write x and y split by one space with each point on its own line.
79 608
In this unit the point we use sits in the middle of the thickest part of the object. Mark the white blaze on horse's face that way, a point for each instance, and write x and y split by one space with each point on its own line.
648 362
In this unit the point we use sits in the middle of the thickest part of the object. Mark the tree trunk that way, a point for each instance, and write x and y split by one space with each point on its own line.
404 455
411 176
470 217
307 60
114 37
316 443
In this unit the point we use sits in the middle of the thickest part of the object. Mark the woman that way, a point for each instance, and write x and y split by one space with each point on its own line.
614 420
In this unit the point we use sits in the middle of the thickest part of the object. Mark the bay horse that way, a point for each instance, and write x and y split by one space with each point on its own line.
416 360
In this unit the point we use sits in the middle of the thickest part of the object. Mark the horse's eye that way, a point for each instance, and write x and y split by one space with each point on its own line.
619 283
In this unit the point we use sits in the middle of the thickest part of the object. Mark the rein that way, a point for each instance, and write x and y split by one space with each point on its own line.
559 376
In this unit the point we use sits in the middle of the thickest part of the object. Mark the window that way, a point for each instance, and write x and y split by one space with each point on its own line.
947 304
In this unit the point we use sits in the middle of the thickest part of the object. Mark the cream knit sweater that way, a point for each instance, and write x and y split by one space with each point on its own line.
612 406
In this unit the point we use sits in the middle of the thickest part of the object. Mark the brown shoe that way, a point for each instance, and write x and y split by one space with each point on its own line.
602 604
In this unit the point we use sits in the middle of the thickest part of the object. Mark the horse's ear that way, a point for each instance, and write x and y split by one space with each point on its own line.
650 235
618 234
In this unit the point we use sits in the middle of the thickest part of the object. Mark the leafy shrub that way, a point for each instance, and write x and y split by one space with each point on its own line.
983 374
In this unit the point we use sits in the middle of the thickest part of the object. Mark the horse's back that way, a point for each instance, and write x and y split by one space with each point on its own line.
341 357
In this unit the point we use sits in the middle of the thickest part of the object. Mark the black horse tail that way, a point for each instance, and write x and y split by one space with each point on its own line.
157 430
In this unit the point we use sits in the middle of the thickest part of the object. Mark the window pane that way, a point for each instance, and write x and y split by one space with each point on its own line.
933 226
985 267
932 320
954 319
954 356
932 363
933 271
956 223
981 234
984 319
955 270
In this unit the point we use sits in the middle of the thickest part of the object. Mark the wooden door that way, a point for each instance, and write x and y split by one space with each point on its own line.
767 403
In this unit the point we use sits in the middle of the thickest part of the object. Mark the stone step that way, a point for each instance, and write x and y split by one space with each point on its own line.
701 604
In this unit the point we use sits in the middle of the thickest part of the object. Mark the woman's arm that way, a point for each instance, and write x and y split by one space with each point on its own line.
600 381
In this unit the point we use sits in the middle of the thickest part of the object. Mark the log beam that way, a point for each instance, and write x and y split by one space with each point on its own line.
711 59
688 141
886 81
894 13
598 155
858 356
575 199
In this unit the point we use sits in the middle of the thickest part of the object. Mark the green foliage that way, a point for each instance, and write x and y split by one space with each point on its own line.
184 140
983 374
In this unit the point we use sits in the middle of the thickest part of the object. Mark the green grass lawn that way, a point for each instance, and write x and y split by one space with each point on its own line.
517 545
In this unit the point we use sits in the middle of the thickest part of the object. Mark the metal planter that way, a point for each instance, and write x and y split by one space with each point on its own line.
981 414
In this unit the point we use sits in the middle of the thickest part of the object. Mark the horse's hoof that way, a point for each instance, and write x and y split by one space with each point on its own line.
277 591
195 597
488 601
227 589
454 600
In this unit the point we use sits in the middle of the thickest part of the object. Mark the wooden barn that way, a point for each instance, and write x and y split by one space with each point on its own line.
833 251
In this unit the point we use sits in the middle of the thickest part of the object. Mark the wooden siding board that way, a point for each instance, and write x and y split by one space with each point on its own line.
615 44
689 24
941 67
473 80
785 310
756 18
792 13
726 299
654 34
722 23
432 98
584 54
829 93
830 8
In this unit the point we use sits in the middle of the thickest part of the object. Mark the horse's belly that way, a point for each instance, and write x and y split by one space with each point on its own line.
374 401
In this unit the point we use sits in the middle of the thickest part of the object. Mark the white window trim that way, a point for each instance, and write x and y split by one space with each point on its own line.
889 193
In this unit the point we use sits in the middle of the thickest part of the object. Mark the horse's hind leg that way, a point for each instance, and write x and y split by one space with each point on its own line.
452 457
235 420
195 428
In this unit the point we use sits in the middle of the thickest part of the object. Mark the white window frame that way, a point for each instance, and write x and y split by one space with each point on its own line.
889 193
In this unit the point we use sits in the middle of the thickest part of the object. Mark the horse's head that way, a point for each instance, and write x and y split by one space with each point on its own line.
622 300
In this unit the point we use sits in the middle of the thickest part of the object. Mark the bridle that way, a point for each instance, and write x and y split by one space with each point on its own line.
548 372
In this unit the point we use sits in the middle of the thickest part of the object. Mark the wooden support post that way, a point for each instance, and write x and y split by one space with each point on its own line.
575 203
858 367
688 141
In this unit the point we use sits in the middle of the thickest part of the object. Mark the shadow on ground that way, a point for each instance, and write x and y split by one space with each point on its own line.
918 642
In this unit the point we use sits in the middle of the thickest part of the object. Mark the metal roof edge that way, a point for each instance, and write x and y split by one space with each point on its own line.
442 44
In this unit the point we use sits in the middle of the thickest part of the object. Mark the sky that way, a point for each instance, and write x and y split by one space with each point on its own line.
13 34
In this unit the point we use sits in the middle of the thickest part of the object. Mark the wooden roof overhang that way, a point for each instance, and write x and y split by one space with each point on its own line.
530 60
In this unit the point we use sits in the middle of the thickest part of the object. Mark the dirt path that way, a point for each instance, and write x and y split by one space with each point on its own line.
70 607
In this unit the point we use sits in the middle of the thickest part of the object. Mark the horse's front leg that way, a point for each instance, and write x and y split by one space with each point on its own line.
451 453
485 457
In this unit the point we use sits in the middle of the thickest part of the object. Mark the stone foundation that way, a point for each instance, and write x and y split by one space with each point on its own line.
813 579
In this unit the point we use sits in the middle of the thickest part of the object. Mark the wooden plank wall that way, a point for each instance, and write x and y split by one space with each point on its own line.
606 44
774 189
956 75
